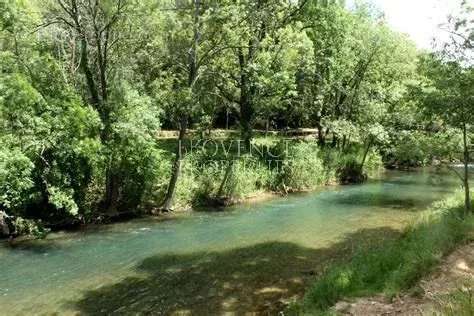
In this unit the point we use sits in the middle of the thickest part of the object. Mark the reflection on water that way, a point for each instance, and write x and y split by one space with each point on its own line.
50 275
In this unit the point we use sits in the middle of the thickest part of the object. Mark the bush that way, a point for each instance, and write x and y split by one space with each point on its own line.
248 176
226 181
415 148
132 153
15 179
348 169
47 176
302 168
25 227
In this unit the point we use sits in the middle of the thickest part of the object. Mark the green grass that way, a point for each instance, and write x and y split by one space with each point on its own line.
395 265
460 303
275 164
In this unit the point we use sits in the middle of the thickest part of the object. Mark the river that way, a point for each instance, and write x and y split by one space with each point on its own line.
249 258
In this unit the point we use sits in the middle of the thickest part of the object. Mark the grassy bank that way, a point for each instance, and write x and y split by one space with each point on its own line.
394 266
215 172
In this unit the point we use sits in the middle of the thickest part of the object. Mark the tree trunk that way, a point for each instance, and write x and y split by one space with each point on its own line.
112 185
98 93
366 153
334 140
168 203
246 111
4 226
192 77
227 174
467 197
321 138
344 142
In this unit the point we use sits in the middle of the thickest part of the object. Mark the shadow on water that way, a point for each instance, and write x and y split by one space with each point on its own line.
256 279
33 246
379 200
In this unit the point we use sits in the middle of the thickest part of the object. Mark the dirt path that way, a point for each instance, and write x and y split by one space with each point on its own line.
456 273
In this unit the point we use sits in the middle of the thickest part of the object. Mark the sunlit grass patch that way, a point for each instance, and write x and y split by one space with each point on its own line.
459 303
395 265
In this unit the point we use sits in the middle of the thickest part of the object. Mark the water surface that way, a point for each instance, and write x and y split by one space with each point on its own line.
239 260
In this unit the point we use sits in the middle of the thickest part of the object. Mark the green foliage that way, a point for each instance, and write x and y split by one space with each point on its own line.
349 170
86 86
417 148
249 176
219 177
302 168
459 303
132 148
25 227
208 181
54 137
396 265
15 178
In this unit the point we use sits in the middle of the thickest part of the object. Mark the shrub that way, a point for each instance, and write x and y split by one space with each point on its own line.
415 148
15 179
349 169
57 132
227 181
302 169
248 177
26 227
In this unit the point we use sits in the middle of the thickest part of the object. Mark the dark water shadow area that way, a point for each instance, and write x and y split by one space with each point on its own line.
256 279
381 200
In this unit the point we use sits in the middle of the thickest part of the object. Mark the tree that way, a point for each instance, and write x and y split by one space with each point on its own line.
450 97
252 32
451 71
192 42
47 133
96 28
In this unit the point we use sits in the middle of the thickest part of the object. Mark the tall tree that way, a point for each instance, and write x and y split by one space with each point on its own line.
97 29
450 97
254 27
453 76
193 40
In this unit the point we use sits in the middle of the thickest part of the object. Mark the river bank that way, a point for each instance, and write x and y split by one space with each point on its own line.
392 270
211 179
247 259
448 290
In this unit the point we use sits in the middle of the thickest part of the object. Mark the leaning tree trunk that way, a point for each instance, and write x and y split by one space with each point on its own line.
344 142
366 153
192 77
227 175
4 226
321 136
176 170
112 185
467 197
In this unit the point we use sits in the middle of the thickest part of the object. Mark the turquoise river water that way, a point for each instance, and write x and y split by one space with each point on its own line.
236 260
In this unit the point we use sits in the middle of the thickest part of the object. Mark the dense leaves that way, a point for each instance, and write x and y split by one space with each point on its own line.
86 86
